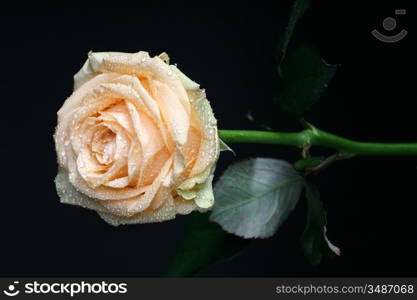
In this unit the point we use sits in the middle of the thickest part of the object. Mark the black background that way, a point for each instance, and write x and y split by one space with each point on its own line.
229 49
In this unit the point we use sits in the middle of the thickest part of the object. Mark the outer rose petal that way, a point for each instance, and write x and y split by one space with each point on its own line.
187 82
197 186
138 63
69 195
164 213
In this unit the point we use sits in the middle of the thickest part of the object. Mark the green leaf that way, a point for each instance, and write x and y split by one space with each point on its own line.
309 162
255 196
204 242
314 240
298 9
305 76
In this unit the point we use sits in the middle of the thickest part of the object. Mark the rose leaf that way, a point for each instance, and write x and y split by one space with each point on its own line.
298 10
204 242
254 197
314 240
305 76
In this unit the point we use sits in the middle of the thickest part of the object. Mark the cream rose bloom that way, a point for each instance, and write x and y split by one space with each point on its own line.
137 140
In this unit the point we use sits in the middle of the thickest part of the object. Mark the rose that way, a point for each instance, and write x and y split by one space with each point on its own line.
136 141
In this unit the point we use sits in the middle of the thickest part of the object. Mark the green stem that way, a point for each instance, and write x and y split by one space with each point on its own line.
316 137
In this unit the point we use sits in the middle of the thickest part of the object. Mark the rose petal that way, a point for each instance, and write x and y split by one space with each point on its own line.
184 207
209 148
76 99
186 82
207 155
118 182
129 207
205 197
172 111
146 131
139 64
69 195
119 114
163 213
